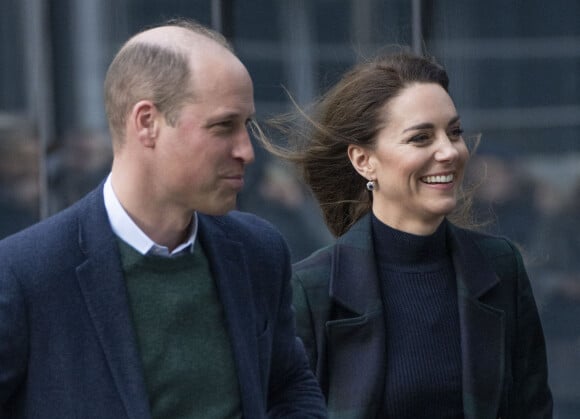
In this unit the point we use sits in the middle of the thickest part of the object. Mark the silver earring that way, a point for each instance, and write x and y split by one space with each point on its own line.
371 186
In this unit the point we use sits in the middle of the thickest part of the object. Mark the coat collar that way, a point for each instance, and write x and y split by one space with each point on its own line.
353 277
474 274
354 258
354 285
482 327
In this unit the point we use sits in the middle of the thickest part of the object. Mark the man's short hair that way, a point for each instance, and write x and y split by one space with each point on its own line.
155 72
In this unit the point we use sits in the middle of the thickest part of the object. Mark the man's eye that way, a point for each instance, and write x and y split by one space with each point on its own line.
223 126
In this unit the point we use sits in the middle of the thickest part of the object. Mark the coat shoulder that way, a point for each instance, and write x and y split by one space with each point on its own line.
247 226
314 271
54 236
502 254
266 247
493 246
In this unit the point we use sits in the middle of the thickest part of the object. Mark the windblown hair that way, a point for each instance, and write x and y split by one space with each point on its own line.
143 70
351 112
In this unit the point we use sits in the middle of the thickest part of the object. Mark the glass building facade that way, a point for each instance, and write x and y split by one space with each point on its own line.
515 78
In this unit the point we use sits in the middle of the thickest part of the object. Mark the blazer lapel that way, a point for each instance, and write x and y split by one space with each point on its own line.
482 329
228 264
356 338
102 284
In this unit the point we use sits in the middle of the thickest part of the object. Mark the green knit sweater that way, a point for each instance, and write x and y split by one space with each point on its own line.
180 327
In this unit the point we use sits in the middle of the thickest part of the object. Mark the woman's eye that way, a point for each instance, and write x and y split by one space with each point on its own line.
419 138
456 133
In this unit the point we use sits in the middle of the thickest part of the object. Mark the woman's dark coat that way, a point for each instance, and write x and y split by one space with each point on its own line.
340 320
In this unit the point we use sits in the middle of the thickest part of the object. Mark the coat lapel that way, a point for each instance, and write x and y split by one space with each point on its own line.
482 329
354 279
356 348
356 338
102 284
228 264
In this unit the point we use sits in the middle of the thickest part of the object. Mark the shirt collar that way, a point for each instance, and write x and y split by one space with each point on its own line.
124 227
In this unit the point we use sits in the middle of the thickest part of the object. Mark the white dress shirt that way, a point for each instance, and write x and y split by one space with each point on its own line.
124 227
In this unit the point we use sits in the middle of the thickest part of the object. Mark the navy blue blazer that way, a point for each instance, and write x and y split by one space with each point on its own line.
67 345
340 319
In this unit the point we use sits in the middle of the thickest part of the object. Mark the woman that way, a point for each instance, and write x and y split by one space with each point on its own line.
408 315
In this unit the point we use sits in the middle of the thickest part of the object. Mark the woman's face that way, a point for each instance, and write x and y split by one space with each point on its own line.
418 160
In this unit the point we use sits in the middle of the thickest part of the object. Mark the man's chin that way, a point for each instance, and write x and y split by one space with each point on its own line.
221 208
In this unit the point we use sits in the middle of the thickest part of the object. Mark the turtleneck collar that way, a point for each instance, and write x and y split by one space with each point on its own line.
401 249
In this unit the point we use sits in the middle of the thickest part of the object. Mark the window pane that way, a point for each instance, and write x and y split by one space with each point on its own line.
515 76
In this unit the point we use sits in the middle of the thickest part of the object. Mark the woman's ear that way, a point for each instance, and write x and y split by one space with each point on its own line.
144 119
360 160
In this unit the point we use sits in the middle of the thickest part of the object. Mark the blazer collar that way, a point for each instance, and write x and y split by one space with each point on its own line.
228 262
103 287
102 284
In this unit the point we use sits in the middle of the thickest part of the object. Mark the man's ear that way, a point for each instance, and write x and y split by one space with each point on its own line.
145 119
360 160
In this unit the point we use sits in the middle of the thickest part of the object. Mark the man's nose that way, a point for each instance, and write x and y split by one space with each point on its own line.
243 149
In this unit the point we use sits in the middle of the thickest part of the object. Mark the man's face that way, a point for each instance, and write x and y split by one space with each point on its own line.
201 160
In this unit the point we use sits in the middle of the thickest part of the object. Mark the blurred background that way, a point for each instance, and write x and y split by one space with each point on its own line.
515 78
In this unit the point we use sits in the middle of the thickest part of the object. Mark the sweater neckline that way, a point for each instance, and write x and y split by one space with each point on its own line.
401 249
132 259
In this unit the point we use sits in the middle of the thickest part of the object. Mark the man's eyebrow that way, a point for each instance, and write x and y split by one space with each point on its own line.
229 115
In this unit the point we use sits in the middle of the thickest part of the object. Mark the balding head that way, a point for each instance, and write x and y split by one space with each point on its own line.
156 65
180 34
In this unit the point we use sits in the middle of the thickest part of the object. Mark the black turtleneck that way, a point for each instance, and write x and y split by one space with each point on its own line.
423 378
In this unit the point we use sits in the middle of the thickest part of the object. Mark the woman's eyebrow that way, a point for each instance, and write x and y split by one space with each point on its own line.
428 125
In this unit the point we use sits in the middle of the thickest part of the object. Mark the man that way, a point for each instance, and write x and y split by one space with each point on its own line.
146 299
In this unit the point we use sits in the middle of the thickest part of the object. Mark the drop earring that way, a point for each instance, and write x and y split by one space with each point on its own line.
371 186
